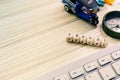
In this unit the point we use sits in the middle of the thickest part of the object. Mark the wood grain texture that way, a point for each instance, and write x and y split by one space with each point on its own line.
32 37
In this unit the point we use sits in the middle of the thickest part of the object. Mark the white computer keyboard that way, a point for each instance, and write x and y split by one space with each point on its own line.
103 65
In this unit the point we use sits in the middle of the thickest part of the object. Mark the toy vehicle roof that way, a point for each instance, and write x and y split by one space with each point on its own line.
90 4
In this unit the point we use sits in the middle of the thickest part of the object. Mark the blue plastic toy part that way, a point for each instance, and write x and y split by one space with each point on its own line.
100 2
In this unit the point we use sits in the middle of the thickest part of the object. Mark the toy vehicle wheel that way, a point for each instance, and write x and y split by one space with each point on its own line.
91 20
96 22
66 8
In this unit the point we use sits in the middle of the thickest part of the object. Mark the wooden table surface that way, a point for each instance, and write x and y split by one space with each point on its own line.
32 37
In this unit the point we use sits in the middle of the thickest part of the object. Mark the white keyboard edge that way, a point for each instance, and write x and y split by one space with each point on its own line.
82 61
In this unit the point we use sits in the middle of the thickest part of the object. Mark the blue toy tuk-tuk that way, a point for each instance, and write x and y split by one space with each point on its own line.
85 9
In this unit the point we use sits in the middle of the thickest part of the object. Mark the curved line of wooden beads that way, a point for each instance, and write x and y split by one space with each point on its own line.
89 40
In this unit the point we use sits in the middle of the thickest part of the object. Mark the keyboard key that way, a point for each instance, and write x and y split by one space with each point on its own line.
116 66
116 55
91 66
80 79
62 77
93 76
107 73
76 72
118 79
104 60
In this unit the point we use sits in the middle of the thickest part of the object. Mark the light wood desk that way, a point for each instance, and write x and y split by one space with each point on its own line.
32 37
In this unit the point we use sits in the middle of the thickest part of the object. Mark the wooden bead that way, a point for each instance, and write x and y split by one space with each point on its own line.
69 37
89 40
83 39
104 43
76 38
97 42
